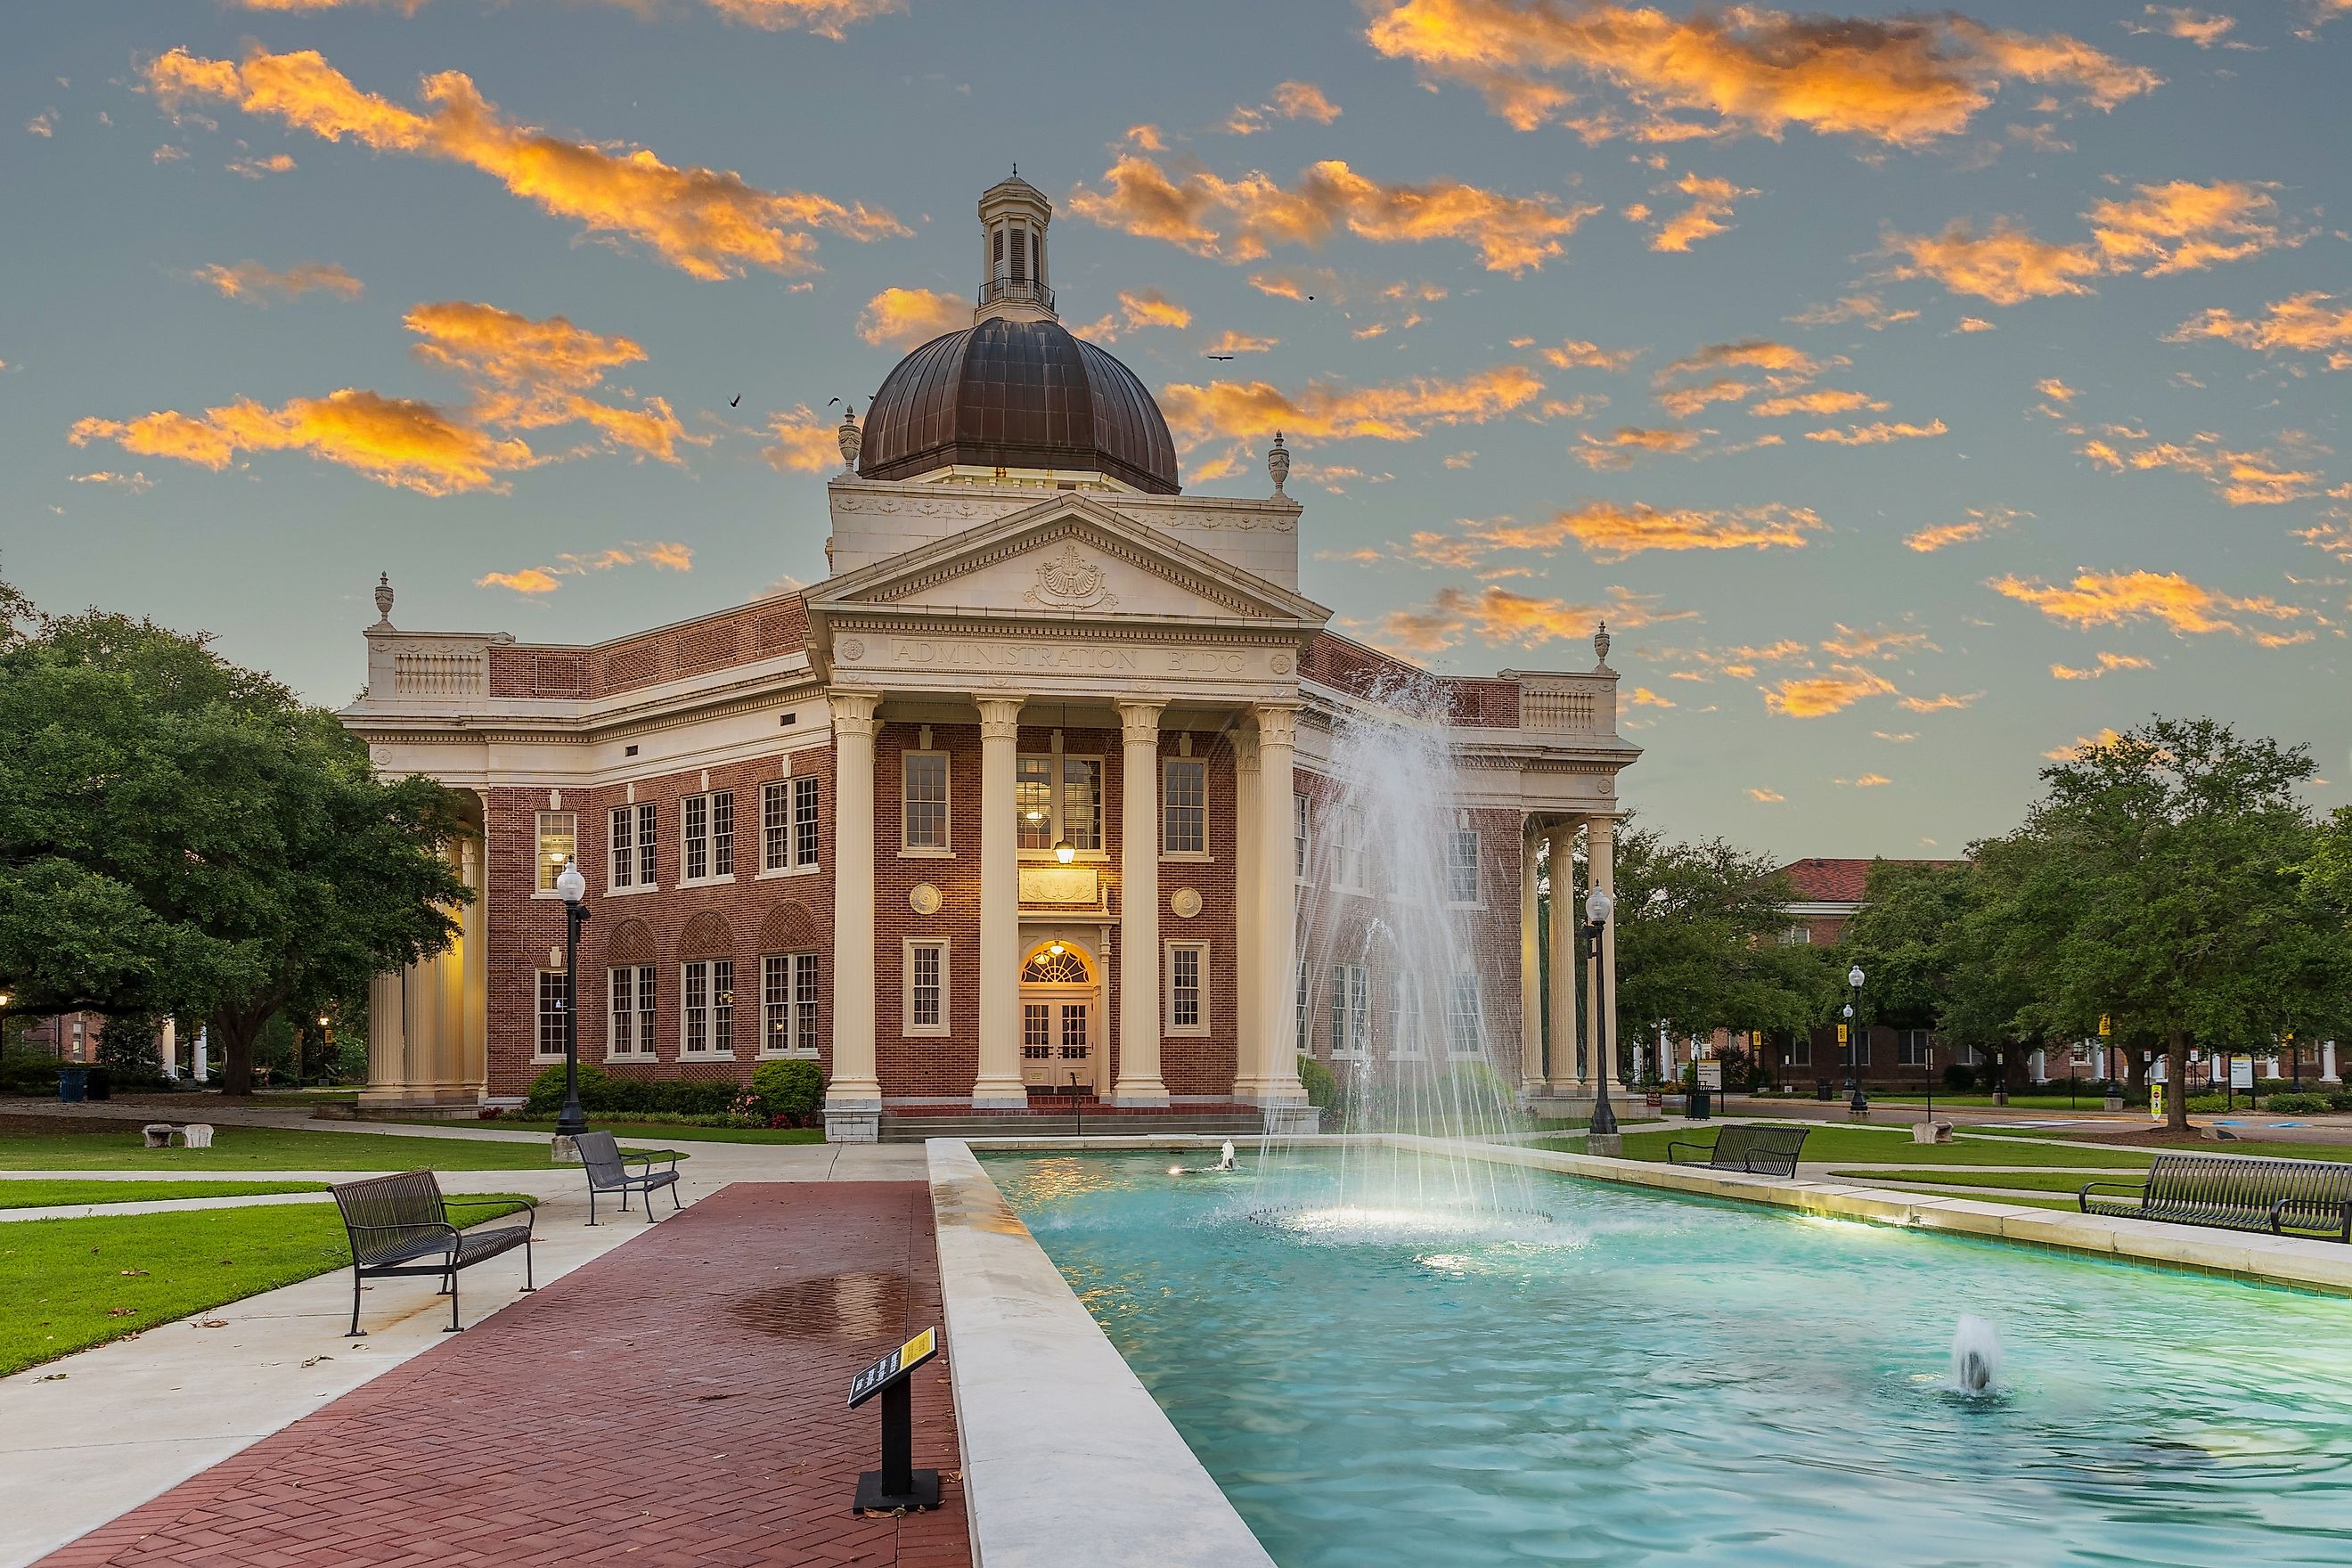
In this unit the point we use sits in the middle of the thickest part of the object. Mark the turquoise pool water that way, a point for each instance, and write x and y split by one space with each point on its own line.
1648 1379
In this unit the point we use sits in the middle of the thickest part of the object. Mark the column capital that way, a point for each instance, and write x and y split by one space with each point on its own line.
1277 723
1000 717
1138 720
853 711
1244 751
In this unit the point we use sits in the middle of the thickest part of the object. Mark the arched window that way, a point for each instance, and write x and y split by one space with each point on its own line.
1048 967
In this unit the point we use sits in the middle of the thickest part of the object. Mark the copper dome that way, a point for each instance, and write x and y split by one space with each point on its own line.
1014 394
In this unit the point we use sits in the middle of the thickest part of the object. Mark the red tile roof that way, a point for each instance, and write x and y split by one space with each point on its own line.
1828 882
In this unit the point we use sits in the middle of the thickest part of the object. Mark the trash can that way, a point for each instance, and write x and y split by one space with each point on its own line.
1822 1091
73 1083
1699 1106
101 1082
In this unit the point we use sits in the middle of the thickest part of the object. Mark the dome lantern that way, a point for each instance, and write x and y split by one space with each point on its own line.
1013 214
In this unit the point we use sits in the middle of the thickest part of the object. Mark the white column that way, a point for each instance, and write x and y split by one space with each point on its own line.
1600 847
387 1041
1252 864
167 1049
204 1054
854 1094
1532 1076
999 1083
1139 907
2327 1062
1565 1074
1277 910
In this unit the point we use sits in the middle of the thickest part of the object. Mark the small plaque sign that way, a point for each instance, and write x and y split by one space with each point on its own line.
893 1367
1710 1075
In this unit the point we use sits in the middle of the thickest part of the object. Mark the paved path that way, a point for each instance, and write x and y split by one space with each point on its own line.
677 1401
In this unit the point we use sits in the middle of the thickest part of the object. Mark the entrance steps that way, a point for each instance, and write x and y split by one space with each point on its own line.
1060 1118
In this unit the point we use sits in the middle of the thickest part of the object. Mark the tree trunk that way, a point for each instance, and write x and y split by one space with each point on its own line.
236 1032
2176 1103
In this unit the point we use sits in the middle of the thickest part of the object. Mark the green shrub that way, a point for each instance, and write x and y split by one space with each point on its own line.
1959 1078
2340 1099
789 1090
2294 1104
29 1075
608 1094
1321 1084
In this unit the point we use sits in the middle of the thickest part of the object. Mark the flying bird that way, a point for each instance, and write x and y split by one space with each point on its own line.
1216 356
735 400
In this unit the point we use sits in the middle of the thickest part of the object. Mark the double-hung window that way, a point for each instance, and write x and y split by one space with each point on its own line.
706 834
1913 1047
923 799
550 1013
1347 850
926 1000
1466 1015
632 990
788 1004
1462 866
1188 988
788 836
1405 1031
1306 1033
634 832
1300 842
707 1007
1351 1024
1184 807
558 840
1060 800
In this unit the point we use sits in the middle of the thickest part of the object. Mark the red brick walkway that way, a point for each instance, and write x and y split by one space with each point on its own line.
677 1401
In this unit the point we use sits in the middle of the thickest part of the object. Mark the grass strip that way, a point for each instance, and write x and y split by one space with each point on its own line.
73 1283
1845 1143
267 1149
2068 1181
37 1193
653 1132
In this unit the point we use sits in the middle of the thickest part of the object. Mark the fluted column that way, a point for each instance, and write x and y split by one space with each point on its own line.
854 1096
1531 1058
1564 1073
999 1083
167 1049
1277 917
1251 1049
1139 907
1600 841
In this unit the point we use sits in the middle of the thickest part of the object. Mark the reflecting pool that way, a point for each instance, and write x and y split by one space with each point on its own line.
1640 1378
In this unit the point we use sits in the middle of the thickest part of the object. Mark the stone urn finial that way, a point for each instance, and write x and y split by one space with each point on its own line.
383 598
1600 645
850 436
1277 462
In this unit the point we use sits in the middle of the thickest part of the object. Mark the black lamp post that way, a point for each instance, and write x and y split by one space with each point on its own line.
572 1120
1859 1103
1598 907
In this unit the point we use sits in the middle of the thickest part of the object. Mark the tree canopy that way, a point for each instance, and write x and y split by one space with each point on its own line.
181 837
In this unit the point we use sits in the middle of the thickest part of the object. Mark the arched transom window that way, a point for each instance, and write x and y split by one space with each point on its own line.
1055 965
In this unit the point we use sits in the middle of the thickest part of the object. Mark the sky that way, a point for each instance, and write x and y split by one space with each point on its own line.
1917 394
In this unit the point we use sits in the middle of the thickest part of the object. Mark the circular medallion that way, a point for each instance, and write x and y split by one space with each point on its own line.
852 650
1279 664
924 898
1186 903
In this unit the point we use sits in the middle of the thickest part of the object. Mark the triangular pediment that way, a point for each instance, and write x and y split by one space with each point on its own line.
1068 557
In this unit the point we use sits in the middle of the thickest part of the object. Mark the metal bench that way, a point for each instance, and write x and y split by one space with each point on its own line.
608 1172
2283 1197
400 1225
1758 1150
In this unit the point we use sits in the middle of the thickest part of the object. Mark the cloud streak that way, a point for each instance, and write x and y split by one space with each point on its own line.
1406 411
250 280
669 555
902 318
2092 599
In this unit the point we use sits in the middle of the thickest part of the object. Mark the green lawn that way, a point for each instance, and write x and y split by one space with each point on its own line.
1836 1142
2068 1181
2018 1200
653 1132
265 1149
73 1283
41 1193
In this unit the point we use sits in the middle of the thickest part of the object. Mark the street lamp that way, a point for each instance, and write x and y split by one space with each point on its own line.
1064 851
1859 1103
1598 907
572 1120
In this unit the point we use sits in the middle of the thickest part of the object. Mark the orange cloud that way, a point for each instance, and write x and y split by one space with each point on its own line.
1825 401
1621 447
1765 797
1611 532
1406 412
1575 353
1868 308
707 222
2241 477
1903 80
667 554
1240 220
901 317
1867 781
2108 663
1149 307
395 441
1816 695
805 442
826 18
2005 265
2183 226
1973 324
1759 354
2309 322
2197 27
1710 205
2082 743
1232 342
1644 698
1684 401
2118 598
1980 522
1291 100
1878 434
1498 615
252 280
533 374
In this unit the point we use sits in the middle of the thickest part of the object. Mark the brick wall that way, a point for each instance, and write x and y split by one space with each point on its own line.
1471 702
738 634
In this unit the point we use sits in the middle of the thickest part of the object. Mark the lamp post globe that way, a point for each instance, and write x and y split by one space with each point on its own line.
1598 907
572 1122
1859 1104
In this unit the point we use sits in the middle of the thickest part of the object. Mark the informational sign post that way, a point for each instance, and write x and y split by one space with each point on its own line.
897 1484
2156 1103
1710 1074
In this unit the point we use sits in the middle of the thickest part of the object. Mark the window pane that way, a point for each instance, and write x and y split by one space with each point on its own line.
804 822
927 800
697 837
775 827
558 842
1298 836
1184 803
625 845
1462 870
775 1002
648 817
723 1004
644 1041
1082 802
804 1002
926 986
1036 1032
1032 797
722 833
692 1034
550 1013
624 989
1184 987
